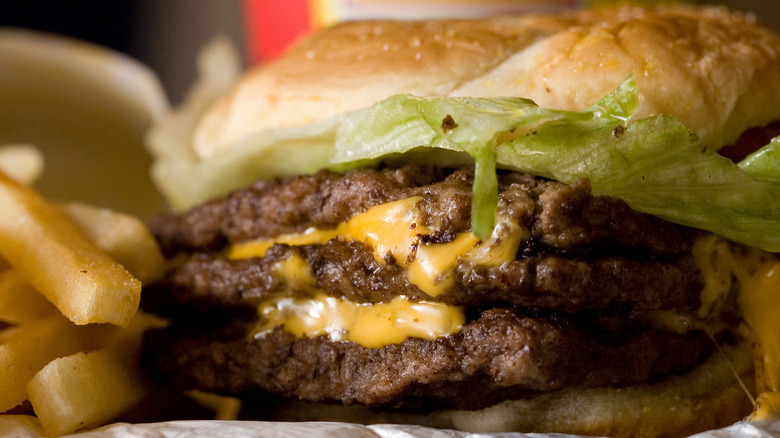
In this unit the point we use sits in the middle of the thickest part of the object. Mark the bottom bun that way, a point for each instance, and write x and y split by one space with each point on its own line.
708 397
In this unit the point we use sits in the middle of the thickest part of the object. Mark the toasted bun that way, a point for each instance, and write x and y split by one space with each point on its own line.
717 72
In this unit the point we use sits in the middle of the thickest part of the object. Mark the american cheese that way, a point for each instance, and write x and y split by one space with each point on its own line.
393 229
433 264
767 406
370 325
758 275
396 229
257 248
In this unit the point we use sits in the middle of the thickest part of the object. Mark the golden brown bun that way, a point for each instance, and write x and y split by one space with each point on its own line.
716 71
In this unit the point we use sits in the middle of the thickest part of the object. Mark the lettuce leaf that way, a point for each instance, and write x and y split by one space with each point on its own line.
475 126
763 165
658 167
656 164
185 181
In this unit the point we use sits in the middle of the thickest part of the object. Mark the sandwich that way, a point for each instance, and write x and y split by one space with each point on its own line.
538 223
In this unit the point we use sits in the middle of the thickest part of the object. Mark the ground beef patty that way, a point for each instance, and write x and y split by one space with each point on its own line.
348 270
563 218
498 355
579 305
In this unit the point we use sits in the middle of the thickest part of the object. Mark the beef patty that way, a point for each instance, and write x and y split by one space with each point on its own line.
499 355
582 303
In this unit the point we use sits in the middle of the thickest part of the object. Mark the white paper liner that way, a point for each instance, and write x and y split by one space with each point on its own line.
22 426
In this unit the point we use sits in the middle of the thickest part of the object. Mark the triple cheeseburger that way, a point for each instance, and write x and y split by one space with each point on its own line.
514 223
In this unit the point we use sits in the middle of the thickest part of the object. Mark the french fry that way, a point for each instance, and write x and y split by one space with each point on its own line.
83 390
51 266
125 238
27 349
55 256
126 342
20 303
224 407
22 162
89 389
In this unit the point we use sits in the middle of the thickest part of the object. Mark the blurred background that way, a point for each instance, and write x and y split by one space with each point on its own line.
164 34
95 152
167 34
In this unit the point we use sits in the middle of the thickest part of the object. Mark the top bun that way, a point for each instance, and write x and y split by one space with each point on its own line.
716 71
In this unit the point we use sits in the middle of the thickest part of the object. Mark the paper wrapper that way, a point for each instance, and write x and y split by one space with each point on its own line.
22 426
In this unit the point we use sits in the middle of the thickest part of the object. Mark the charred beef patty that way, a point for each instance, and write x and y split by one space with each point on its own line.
583 302
500 355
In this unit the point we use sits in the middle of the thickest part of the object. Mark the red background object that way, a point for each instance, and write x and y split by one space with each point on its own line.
273 25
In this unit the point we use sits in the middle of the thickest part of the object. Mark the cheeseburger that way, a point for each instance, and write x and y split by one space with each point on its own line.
520 223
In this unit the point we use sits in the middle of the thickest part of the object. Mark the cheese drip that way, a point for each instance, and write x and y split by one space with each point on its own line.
758 276
370 325
396 229
393 229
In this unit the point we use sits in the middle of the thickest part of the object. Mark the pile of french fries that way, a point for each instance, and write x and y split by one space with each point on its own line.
70 285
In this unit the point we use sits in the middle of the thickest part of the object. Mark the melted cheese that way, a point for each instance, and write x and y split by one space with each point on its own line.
767 406
296 272
370 325
258 248
395 229
760 304
392 228
432 268
758 275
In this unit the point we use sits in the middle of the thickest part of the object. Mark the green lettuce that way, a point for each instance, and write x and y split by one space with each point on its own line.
655 164
479 127
763 166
